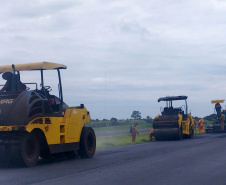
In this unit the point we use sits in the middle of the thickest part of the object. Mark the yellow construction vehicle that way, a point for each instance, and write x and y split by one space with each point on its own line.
216 127
35 123
174 123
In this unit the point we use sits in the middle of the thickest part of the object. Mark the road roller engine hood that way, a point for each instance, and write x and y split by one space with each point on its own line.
20 108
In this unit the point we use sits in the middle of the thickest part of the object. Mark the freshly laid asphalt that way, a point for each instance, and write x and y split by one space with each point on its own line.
201 160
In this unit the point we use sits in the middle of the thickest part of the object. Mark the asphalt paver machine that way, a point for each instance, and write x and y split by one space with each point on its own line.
216 126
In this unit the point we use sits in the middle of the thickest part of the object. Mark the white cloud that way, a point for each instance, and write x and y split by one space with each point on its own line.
98 80
140 50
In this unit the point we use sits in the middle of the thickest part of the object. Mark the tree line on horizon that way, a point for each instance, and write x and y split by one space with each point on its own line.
136 115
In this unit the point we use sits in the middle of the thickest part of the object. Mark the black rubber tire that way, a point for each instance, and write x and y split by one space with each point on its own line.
44 148
10 155
5 156
87 143
30 150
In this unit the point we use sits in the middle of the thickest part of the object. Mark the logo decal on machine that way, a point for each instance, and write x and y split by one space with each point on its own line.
6 101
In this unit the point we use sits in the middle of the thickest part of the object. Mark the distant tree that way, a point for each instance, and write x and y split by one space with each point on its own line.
196 118
148 119
113 121
136 115
211 117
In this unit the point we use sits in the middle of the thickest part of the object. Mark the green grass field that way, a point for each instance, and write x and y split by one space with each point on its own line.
106 142
114 141
123 127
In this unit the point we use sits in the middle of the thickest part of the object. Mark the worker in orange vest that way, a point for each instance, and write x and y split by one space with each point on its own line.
201 123
134 132
151 135
222 121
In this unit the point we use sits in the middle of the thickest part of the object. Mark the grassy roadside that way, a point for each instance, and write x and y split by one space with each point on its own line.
121 140
197 131
141 125
123 127
114 141
106 142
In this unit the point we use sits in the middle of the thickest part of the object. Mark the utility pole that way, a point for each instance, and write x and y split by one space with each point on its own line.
105 97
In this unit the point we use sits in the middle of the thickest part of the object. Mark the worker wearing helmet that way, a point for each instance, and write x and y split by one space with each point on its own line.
151 135
201 123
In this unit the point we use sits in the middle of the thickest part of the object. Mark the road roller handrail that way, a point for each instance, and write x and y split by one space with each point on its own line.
169 105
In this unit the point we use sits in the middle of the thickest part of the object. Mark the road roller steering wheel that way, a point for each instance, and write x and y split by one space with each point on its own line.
48 88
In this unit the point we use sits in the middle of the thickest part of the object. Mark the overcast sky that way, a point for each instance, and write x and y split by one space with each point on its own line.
122 55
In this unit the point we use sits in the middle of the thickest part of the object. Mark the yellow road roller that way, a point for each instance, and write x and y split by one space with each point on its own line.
174 122
34 122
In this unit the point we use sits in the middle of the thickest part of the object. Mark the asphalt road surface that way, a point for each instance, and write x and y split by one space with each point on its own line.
201 160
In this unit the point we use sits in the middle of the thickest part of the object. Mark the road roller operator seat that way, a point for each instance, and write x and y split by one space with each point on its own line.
170 110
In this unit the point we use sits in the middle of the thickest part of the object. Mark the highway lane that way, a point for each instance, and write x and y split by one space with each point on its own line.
198 161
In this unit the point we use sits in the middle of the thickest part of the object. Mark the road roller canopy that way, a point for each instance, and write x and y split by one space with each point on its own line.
32 66
172 98
217 101
15 69
169 104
